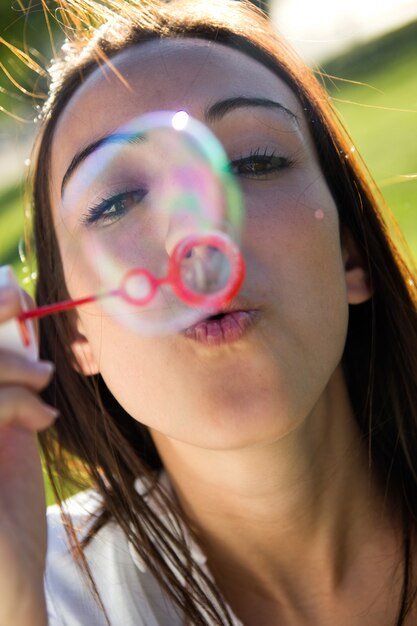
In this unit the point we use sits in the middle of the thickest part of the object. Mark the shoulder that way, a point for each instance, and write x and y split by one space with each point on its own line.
81 509
69 599
130 595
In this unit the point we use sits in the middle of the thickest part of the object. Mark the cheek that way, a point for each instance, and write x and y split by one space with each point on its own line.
293 250
135 368
295 226
80 279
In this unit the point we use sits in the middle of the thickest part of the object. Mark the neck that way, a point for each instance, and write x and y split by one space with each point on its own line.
305 506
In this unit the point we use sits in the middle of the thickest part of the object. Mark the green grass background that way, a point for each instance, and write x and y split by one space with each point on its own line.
380 113
381 116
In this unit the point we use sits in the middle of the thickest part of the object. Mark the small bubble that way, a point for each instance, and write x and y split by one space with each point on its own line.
353 149
22 251
319 214
33 276
27 162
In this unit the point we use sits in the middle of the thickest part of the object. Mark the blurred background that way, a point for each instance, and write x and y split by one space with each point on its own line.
369 47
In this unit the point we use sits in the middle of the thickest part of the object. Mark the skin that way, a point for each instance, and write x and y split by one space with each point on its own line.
259 436
22 500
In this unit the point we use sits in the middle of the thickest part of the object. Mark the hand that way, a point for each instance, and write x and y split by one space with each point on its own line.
22 500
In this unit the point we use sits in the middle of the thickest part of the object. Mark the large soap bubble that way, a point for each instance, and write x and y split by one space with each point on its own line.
150 219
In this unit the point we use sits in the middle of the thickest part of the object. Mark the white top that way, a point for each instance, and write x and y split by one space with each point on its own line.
130 593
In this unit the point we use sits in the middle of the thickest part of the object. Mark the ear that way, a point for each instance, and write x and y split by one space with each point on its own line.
85 361
356 272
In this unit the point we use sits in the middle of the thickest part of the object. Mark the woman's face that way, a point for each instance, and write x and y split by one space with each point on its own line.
260 387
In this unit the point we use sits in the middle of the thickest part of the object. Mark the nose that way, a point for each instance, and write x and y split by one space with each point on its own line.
182 224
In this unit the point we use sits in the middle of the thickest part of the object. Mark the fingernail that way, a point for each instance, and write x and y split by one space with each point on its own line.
7 276
51 411
44 367
6 294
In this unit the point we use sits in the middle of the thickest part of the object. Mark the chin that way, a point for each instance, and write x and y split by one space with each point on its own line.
234 428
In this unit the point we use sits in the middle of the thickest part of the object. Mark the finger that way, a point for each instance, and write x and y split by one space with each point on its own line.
16 370
20 407
10 302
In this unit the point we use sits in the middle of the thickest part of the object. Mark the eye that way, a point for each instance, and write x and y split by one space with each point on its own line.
257 165
110 210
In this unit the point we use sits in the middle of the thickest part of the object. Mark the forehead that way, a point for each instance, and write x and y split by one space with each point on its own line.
169 74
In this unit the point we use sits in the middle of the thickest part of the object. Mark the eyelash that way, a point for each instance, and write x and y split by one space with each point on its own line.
97 213
267 158
272 164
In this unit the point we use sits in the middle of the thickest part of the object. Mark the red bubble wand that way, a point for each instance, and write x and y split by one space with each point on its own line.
183 251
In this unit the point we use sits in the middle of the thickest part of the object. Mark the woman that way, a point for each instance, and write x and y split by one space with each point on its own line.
269 480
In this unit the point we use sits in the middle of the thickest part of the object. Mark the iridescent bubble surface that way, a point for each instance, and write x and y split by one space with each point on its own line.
153 215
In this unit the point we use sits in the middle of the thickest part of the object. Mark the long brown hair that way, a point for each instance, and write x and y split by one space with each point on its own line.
95 438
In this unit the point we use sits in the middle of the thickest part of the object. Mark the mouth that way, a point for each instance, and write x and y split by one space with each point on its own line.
223 327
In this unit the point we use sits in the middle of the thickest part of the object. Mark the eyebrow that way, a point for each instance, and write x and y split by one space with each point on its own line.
130 138
212 114
218 110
